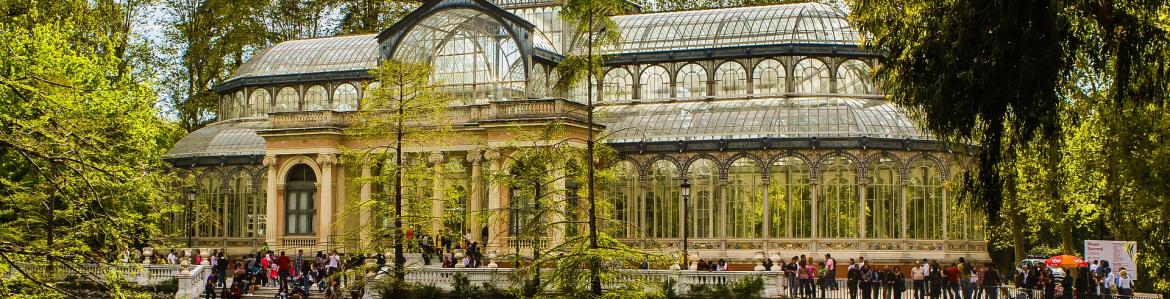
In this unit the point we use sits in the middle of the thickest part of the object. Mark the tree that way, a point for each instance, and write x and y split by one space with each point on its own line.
585 17
204 41
369 16
81 147
1066 100
405 111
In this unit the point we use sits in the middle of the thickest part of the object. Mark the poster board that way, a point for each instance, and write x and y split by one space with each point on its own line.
1118 253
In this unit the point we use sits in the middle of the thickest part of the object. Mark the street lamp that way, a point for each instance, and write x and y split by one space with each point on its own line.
187 216
685 189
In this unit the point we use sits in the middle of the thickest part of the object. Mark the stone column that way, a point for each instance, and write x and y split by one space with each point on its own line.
271 191
364 203
325 214
474 204
495 228
436 159
862 187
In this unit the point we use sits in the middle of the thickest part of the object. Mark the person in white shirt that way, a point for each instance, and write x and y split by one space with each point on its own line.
334 262
172 258
1123 282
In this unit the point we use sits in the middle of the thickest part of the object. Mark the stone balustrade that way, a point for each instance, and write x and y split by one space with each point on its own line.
470 114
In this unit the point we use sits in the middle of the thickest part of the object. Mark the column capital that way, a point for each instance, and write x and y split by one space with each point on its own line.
474 156
270 161
491 154
326 160
436 158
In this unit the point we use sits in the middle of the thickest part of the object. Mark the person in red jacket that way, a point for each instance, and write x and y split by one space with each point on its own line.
952 286
283 268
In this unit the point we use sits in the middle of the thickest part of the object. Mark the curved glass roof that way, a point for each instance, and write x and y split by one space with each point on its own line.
802 23
227 138
756 118
328 54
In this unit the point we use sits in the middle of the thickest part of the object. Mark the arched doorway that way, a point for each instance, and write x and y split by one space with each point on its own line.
300 201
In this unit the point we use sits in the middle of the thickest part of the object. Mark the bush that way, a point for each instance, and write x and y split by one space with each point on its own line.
748 287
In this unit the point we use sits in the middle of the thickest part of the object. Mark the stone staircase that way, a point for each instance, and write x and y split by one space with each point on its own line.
270 292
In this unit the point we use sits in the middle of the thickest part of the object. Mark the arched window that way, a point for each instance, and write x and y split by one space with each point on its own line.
655 82
730 79
703 175
788 199
345 97
227 107
287 100
883 208
627 203
242 103
539 81
260 100
959 212
300 201
768 77
662 201
210 202
316 98
925 201
745 206
811 76
691 81
618 85
837 206
241 196
853 78
455 194
257 211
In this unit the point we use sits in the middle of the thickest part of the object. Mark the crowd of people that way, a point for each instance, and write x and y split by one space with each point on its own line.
294 276
447 249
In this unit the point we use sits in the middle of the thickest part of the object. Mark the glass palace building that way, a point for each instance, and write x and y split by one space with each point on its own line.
769 112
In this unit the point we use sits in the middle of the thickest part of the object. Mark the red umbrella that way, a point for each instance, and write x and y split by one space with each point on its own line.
1066 261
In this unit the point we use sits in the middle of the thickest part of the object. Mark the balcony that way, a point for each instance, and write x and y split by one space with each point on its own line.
471 115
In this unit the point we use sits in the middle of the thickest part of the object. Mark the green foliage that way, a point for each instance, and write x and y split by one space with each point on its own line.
80 148
371 16
748 287
679 5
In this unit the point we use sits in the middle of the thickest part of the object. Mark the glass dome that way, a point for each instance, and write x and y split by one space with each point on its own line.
803 23
227 138
756 118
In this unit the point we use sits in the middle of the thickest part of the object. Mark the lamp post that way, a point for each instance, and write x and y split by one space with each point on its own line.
187 217
685 190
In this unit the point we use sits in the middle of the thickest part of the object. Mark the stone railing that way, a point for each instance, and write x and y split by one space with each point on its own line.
294 243
143 274
191 285
494 111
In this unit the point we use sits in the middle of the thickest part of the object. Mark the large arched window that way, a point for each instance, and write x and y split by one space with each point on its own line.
655 83
745 206
316 98
626 201
345 97
703 175
287 100
883 208
691 81
730 79
455 194
853 78
618 85
925 201
260 101
811 76
238 202
300 201
788 199
210 203
768 78
662 201
837 205
474 57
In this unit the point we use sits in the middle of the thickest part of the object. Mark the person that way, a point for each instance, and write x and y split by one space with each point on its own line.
869 278
802 274
935 280
991 281
172 258
790 270
965 277
952 281
283 266
722 265
767 263
239 281
222 268
899 283
888 283
473 252
425 243
812 276
1123 283
263 271
467 237
712 266
831 272
919 279
334 262
296 266
853 274
645 262
1104 273
209 288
